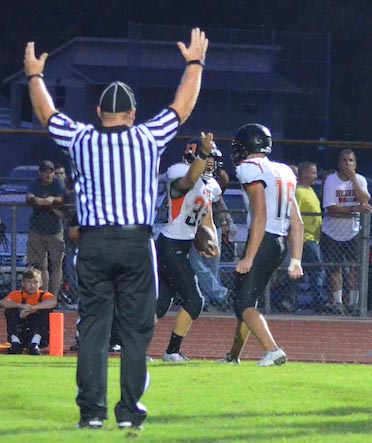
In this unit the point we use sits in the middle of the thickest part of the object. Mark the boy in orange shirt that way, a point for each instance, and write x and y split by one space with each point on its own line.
27 314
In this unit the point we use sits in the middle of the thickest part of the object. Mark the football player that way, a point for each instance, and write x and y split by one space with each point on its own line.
191 189
270 187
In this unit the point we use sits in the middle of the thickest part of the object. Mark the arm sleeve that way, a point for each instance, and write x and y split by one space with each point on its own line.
14 296
63 130
163 127
248 173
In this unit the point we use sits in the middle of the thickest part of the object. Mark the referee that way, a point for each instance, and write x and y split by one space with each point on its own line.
115 168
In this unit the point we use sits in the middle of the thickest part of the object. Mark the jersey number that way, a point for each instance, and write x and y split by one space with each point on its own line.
284 196
199 205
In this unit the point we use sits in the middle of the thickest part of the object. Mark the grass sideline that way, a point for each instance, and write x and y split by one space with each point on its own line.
198 402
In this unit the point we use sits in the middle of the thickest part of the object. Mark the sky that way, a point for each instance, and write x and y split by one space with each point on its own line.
349 22
51 23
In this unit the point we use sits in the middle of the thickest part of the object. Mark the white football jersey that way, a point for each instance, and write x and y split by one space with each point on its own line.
186 213
280 185
341 193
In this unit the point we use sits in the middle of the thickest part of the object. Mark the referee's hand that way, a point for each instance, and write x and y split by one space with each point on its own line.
197 48
32 64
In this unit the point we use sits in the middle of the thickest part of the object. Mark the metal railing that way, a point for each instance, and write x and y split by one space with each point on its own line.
281 296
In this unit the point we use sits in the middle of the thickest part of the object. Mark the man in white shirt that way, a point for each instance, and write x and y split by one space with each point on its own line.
345 196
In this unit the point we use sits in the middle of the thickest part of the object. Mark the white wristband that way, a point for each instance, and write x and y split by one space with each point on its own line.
294 262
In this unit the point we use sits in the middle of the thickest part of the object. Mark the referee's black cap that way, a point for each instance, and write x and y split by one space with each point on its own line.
117 97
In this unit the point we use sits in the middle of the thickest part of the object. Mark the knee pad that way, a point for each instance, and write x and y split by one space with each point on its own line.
241 304
238 310
163 306
164 301
194 306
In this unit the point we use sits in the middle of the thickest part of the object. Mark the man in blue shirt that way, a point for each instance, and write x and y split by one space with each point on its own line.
45 245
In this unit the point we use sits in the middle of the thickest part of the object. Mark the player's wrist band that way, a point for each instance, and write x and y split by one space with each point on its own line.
39 75
202 156
196 62
294 262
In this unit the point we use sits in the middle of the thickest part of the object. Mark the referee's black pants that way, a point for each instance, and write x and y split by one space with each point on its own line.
116 271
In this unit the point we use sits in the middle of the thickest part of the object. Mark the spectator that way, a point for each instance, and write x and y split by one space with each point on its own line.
191 190
60 172
308 202
69 290
116 167
270 187
68 293
207 269
294 169
345 196
45 245
324 177
224 222
27 314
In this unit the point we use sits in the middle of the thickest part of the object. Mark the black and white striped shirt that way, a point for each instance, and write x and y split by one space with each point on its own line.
116 169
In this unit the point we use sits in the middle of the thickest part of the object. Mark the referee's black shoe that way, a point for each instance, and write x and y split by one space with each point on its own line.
91 423
129 425
130 421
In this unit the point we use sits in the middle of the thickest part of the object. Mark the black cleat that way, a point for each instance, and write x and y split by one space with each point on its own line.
74 347
16 348
34 349
91 423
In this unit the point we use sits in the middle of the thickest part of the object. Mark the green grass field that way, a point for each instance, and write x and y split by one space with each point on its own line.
199 402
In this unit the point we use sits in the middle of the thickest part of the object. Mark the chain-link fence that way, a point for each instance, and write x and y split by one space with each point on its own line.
313 294
43 244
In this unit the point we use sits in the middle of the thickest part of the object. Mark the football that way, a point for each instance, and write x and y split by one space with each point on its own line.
204 239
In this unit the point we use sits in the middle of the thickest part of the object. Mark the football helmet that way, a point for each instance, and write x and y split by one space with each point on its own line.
250 138
191 152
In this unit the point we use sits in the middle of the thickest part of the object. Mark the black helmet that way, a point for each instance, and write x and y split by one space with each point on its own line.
250 138
192 149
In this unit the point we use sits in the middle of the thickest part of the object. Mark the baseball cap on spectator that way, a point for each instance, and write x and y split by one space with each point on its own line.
46 165
117 97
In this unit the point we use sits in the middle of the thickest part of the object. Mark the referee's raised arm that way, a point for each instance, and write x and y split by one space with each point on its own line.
41 100
185 98
188 90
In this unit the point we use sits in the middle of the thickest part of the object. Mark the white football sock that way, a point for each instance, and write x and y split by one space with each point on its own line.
337 297
15 339
36 339
353 298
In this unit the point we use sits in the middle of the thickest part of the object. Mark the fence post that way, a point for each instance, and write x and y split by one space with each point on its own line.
13 249
363 263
